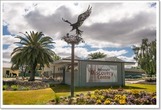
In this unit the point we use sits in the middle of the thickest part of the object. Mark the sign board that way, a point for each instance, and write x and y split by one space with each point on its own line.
101 73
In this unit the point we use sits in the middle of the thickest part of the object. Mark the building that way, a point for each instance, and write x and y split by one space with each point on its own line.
7 72
134 73
97 72
58 68
108 71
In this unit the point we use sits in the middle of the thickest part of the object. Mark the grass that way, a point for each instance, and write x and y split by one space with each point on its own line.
142 87
66 88
36 97
42 96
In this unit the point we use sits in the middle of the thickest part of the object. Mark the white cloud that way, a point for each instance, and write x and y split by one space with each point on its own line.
4 23
7 52
83 52
66 51
9 39
59 43
13 16
129 59
62 52
103 44
119 24
113 21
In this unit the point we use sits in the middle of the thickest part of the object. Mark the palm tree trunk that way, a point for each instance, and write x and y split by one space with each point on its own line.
32 74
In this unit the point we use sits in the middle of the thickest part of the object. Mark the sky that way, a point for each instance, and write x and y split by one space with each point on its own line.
112 28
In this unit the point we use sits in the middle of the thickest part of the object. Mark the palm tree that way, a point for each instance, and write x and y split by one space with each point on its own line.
34 48
96 55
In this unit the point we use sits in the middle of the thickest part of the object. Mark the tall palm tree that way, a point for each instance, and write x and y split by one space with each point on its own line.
34 48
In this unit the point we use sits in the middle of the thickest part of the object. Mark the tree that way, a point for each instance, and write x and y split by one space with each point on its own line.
145 55
96 55
34 48
56 57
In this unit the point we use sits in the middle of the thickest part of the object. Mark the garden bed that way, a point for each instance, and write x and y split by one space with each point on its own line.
108 97
24 85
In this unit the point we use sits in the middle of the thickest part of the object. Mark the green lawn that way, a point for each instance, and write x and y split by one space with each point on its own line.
42 96
35 97
142 87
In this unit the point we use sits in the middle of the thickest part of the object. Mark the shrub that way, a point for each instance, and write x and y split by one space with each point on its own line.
52 85
150 79
26 85
9 83
57 99
14 87
26 88
5 87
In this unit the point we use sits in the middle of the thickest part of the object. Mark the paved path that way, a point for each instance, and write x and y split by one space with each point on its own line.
133 82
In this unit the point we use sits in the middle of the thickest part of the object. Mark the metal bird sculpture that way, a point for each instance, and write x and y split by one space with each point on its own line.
81 18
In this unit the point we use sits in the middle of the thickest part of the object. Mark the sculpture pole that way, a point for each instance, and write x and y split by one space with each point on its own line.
72 39
75 39
72 71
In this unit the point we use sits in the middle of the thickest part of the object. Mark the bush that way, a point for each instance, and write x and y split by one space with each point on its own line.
5 87
150 79
26 85
9 83
57 99
14 87
25 88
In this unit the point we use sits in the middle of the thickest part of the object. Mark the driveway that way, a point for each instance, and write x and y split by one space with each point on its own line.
133 82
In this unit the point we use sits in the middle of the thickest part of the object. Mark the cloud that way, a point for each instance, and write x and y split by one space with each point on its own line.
114 21
60 43
51 24
128 59
118 24
66 51
13 16
9 39
124 32
83 52
7 52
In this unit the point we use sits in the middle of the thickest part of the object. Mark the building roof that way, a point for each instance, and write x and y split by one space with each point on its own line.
110 59
64 61
7 65
113 59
